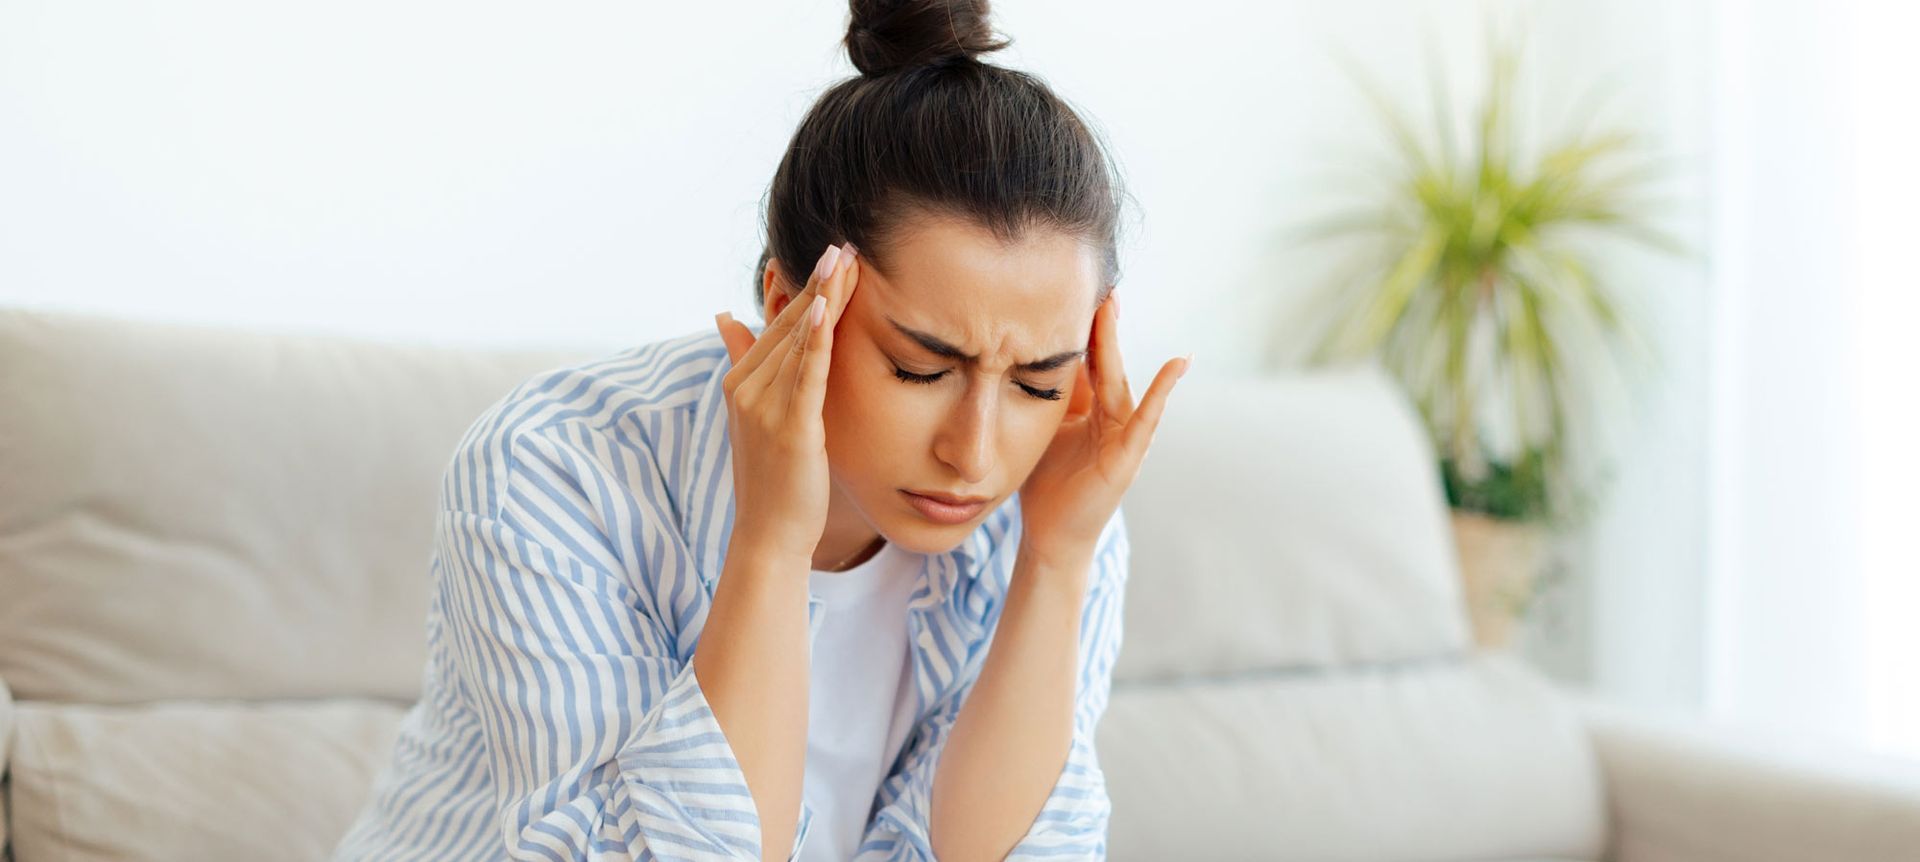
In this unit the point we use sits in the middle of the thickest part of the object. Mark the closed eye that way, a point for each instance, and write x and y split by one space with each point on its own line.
910 377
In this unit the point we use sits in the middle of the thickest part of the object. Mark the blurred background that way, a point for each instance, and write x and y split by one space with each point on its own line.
1736 189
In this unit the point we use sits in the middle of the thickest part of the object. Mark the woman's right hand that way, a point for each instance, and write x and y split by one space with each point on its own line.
775 392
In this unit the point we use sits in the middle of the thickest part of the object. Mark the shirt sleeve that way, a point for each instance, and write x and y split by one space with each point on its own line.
599 741
1072 824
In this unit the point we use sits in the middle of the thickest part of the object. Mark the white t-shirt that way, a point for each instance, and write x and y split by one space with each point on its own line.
860 697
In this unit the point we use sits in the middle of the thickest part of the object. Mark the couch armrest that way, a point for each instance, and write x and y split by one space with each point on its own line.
1687 789
6 751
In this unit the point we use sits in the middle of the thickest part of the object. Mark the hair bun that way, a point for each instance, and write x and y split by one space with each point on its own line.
890 35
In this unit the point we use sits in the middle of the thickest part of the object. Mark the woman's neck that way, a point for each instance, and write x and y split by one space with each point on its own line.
848 539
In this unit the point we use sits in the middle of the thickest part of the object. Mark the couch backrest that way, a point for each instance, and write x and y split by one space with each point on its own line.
197 512
1286 523
191 511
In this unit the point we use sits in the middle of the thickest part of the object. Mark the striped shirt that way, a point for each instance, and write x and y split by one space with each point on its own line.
583 521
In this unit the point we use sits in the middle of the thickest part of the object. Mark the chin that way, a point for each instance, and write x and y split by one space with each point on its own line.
910 531
921 537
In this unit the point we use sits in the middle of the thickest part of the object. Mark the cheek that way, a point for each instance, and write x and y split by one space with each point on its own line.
867 424
1032 430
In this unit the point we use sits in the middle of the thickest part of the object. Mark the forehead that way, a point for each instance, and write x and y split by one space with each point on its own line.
955 279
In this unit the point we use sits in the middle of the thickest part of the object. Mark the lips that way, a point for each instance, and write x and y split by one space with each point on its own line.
950 499
944 508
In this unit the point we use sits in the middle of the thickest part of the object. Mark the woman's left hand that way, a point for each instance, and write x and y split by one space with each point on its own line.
1074 490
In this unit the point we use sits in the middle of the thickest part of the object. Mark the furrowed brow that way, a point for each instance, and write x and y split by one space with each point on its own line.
935 345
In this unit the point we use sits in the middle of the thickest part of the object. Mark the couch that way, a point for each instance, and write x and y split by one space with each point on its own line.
214 553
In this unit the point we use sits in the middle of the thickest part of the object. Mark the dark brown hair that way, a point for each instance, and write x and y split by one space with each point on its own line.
926 128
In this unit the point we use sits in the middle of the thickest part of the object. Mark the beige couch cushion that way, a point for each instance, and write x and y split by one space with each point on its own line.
191 512
1287 523
194 780
1418 762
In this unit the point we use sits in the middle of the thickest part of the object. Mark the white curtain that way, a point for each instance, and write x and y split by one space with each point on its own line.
1813 596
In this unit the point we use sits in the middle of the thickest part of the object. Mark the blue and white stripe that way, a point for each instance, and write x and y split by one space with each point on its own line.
583 522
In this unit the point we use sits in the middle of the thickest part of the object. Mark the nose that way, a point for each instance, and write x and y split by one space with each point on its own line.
965 441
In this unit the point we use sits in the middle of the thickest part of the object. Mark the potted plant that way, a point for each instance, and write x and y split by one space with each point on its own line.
1475 289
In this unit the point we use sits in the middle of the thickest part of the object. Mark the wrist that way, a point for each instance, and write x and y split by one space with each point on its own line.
1070 561
769 535
756 558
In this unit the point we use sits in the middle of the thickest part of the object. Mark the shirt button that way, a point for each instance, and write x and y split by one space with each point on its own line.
926 640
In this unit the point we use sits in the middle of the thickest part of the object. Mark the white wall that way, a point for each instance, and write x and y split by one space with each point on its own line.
591 173
464 172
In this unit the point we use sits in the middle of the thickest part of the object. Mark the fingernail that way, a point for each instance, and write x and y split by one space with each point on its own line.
1186 367
845 260
819 310
827 259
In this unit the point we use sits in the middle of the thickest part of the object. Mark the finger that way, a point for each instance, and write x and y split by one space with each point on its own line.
1081 402
777 327
737 337
740 341
1139 431
776 372
1110 387
810 390
800 344
769 375
839 292
783 322
803 371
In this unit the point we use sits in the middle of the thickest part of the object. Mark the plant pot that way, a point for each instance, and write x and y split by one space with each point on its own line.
1500 565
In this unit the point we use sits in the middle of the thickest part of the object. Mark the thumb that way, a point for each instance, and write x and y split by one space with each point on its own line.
738 338
1080 402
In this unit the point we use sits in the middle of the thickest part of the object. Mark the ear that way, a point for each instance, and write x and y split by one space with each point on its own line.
773 295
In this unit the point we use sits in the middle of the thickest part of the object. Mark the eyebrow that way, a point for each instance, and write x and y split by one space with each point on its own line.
934 345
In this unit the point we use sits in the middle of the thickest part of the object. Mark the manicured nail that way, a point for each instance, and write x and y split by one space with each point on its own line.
845 260
819 310
825 267
1188 366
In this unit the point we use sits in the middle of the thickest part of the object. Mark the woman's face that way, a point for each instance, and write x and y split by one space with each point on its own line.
951 371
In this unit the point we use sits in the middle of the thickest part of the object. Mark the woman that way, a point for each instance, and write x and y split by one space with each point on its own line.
934 426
